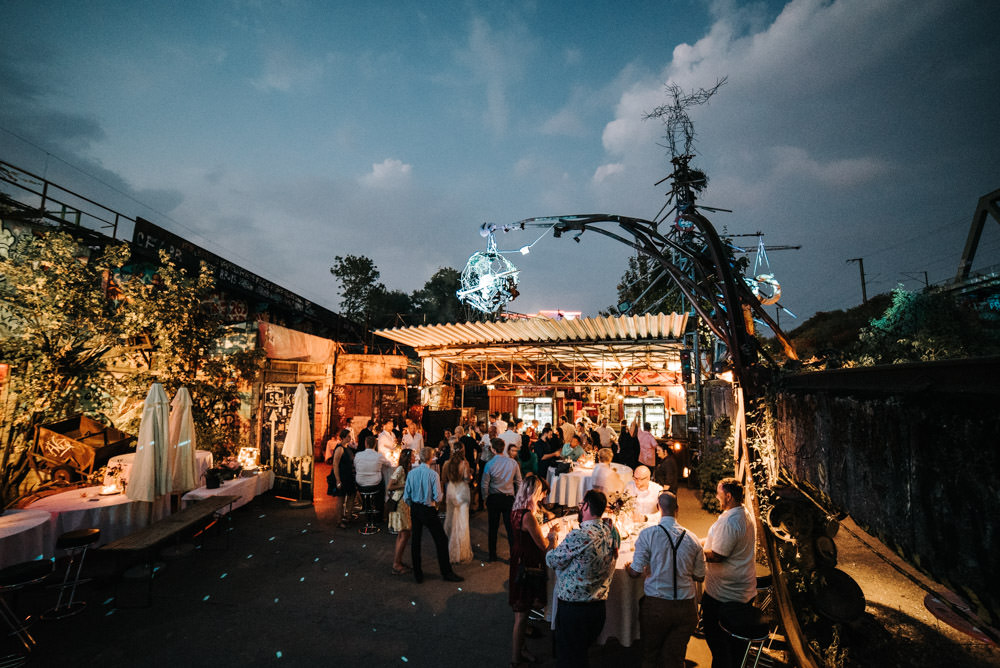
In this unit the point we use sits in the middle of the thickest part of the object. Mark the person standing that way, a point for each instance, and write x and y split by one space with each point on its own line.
456 476
666 473
399 519
732 573
607 435
363 435
584 563
387 439
511 437
423 494
340 483
628 445
647 446
501 478
412 439
672 560
526 589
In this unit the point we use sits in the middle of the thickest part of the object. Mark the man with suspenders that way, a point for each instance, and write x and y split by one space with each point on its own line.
672 559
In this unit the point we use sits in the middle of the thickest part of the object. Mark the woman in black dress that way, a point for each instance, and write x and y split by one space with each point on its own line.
340 483
527 561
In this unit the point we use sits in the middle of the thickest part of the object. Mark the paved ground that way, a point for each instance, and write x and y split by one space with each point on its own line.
291 589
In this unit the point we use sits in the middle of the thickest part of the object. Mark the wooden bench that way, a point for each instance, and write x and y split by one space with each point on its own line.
170 526
145 540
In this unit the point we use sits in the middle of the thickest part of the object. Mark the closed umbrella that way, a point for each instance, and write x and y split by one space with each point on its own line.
298 437
182 442
150 477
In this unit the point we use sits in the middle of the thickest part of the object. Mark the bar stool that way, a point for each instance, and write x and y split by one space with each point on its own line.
12 579
76 544
750 625
369 508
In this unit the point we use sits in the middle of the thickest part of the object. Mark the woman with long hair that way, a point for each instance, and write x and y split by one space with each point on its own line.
457 474
527 561
399 519
340 483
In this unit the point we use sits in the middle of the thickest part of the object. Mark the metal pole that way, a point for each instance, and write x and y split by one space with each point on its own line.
861 266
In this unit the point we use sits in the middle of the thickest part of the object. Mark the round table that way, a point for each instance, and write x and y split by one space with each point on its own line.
568 488
115 515
622 606
25 535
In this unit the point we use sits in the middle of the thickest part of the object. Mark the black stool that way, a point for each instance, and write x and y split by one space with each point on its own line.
369 508
12 579
76 544
747 624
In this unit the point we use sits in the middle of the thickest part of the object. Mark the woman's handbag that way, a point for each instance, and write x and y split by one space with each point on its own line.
531 575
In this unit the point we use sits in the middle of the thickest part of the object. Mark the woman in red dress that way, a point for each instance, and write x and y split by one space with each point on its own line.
527 562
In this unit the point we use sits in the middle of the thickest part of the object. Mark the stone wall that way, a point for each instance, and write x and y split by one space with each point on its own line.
912 453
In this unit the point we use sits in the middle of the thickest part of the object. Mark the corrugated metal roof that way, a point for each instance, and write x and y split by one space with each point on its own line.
540 331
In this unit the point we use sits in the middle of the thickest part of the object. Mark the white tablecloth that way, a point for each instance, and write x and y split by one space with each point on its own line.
245 488
116 515
202 462
24 536
622 621
568 488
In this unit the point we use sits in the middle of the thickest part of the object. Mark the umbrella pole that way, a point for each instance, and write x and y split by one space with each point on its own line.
300 503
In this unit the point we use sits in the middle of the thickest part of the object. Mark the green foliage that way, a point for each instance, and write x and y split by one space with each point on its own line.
436 302
924 326
716 462
74 315
833 335
365 297
635 289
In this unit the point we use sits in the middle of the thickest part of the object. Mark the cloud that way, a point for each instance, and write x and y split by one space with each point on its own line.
390 173
604 171
284 70
496 61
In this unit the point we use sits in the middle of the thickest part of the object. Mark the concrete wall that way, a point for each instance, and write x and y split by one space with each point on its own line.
912 453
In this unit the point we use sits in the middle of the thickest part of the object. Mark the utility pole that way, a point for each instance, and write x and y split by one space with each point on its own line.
861 266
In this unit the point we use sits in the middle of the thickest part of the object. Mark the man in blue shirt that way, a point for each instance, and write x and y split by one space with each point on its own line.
423 493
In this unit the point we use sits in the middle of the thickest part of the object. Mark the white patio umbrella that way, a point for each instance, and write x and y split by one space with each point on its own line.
298 446
182 442
149 478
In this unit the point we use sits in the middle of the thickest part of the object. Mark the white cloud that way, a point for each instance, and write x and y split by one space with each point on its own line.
496 60
390 173
285 70
610 169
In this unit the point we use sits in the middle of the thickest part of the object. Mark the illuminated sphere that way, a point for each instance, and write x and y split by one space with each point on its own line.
489 282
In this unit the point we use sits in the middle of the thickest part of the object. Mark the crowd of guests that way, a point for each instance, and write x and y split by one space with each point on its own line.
501 467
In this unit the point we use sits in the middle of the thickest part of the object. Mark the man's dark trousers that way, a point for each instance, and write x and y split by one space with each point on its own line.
497 506
578 626
424 516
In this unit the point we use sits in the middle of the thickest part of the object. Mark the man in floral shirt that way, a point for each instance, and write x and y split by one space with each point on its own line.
584 563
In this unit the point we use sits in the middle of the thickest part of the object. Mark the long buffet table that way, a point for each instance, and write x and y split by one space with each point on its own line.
31 533
245 488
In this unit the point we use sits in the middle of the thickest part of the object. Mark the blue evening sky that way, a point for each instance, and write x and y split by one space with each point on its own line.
280 134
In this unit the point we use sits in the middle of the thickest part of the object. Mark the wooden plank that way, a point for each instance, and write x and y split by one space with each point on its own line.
171 525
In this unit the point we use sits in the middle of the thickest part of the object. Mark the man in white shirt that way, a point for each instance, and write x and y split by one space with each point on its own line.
498 422
368 466
609 437
567 429
732 573
387 439
672 560
511 437
645 492
412 438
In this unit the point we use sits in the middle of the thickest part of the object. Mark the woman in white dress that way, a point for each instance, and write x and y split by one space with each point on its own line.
456 475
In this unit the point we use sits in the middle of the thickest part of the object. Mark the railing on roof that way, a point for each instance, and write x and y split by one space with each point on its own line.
34 193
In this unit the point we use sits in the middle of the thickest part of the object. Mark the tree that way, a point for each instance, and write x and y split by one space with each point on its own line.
436 302
359 284
88 333
924 326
